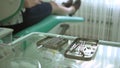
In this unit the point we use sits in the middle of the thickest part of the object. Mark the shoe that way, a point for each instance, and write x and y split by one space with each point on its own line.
68 3
76 4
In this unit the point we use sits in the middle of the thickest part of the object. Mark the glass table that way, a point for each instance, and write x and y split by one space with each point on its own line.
107 55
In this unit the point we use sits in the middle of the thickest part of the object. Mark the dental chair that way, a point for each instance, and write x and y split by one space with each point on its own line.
43 26
48 23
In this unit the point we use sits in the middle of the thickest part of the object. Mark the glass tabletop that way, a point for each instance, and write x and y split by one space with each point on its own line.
107 56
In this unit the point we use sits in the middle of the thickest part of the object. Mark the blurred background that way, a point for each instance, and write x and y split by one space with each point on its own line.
101 20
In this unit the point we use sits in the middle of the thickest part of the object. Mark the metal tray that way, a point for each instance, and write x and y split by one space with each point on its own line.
52 42
82 49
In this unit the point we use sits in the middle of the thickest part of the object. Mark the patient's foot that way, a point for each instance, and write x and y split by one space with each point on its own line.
76 4
68 3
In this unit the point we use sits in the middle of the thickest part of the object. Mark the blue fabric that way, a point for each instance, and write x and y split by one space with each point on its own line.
37 13
32 16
